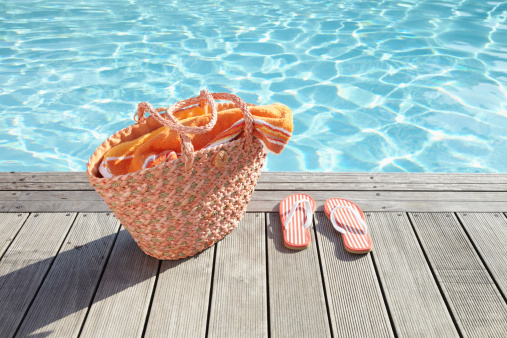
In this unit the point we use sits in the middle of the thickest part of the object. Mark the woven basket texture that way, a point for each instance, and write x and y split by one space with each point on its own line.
175 210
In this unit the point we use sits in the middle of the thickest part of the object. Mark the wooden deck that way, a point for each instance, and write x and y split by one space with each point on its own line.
438 266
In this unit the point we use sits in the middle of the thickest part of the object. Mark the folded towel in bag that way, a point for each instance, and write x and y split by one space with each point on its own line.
272 126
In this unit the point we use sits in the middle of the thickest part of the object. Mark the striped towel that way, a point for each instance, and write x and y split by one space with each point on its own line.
272 126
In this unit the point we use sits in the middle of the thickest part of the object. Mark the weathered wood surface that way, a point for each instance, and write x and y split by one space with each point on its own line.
434 274
488 232
181 301
26 263
322 290
297 177
416 305
290 186
239 297
461 275
63 192
10 224
296 293
7 199
403 205
352 287
58 308
120 306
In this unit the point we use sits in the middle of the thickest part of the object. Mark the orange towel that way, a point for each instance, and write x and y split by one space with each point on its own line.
272 126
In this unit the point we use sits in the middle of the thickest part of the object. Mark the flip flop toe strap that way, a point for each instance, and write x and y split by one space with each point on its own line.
307 211
356 214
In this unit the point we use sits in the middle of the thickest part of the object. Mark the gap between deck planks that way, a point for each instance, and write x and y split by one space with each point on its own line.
64 192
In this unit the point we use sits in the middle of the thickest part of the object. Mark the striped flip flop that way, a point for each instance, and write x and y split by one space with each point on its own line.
296 215
348 219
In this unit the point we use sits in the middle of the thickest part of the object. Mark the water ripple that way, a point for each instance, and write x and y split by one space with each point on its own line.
374 86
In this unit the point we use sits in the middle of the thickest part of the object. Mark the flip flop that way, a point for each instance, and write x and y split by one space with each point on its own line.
348 219
296 215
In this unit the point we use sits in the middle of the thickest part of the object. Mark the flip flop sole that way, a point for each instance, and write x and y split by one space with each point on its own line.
354 242
295 237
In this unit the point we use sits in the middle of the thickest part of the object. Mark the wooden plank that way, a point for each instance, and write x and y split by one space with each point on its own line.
296 295
415 303
402 206
351 287
291 186
120 306
9 195
6 206
7 199
269 206
388 186
331 177
272 205
59 206
301 177
478 306
25 264
239 299
276 196
59 196
493 196
181 300
59 201
35 197
63 299
9 227
488 232
21 178
46 186
43 177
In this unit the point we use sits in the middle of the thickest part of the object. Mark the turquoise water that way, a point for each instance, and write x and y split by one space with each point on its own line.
417 86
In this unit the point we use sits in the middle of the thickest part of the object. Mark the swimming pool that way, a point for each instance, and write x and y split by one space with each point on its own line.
417 86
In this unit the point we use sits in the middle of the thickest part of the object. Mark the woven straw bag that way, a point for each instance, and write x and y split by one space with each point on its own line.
183 206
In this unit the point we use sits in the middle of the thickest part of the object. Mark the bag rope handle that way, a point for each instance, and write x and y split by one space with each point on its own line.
172 122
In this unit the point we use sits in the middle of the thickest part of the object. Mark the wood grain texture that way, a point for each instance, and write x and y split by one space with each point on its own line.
301 177
290 181
239 299
289 186
401 205
422 299
30 186
272 206
391 196
7 199
9 195
59 201
22 177
59 206
488 232
120 306
372 186
59 196
267 201
181 301
277 196
10 223
355 300
478 306
415 303
63 299
25 264
327 177
296 295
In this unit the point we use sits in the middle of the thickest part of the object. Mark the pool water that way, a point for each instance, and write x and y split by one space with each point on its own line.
415 86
